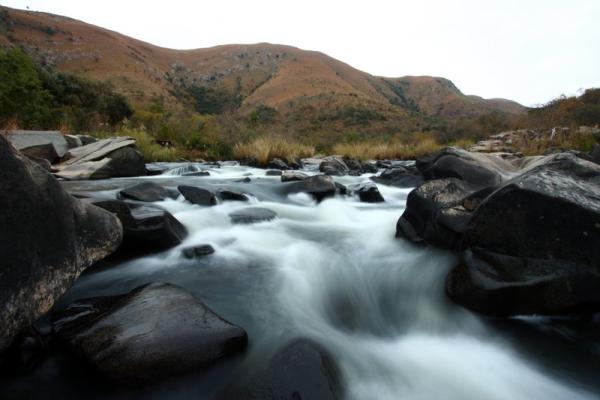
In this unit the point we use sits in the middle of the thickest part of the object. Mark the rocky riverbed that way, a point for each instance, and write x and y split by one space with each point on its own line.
339 280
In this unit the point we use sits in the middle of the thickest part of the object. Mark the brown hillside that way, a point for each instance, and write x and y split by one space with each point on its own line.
309 90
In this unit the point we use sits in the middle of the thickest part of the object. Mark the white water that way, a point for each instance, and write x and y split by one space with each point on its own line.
334 272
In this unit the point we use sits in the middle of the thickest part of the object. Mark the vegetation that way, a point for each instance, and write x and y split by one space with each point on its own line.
419 145
567 111
147 145
266 148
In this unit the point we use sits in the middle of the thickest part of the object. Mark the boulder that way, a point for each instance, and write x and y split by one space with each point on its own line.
146 228
333 166
438 211
399 176
50 145
86 139
301 370
196 173
197 251
278 163
273 172
290 176
368 193
145 191
229 195
73 141
476 168
595 154
156 168
368 167
537 237
199 196
47 239
153 332
252 215
318 186
127 161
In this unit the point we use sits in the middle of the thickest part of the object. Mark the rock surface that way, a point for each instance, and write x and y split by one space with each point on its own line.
199 196
145 191
252 215
301 370
50 145
368 193
197 251
47 239
155 331
399 176
333 166
318 186
290 176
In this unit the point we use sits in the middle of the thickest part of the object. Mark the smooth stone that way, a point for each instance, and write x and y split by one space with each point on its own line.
318 186
197 251
197 195
145 191
252 215
399 176
229 195
368 193
290 176
273 172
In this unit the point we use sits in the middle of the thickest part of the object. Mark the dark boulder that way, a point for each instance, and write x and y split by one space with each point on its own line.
196 173
290 176
539 232
368 193
199 196
368 167
252 215
399 176
126 161
278 163
333 166
156 169
476 168
341 189
86 139
47 238
153 332
273 172
438 211
197 251
230 195
318 186
301 370
146 228
145 191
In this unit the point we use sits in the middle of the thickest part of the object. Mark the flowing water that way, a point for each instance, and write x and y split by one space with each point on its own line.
332 272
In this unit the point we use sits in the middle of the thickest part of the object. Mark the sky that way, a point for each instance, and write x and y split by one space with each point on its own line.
527 50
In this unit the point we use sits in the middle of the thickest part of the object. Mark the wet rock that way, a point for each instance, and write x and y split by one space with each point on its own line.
340 189
199 196
153 332
368 193
47 238
538 233
229 195
49 145
156 169
333 166
197 251
399 176
476 168
278 163
290 176
196 173
318 186
146 228
244 180
273 172
252 215
145 191
301 370
438 211
368 167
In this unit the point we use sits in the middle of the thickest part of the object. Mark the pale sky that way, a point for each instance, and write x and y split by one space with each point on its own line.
525 50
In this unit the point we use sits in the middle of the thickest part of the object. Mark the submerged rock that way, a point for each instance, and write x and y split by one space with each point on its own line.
153 332
145 191
199 196
273 172
399 176
252 215
368 193
146 228
290 176
197 251
318 186
47 238
229 195
301 370
534 243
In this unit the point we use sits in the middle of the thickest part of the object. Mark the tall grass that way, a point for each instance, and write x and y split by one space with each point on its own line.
390 151
264 149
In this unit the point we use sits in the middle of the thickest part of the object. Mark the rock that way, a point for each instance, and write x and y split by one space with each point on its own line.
595 154
199 196
318 186
42 162
146 228
47 239
333 166
340 189
368 167
244 180
232 196
197 173
535 240
476 168
301 370
438 211
86 139
278 163
90 161
50 145
399 176
156 169
153 332
145 191
290 176
368 193
251 215
273 172
197 251
73 141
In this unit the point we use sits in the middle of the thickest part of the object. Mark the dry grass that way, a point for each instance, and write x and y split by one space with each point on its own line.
390 151
266 148
574 139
